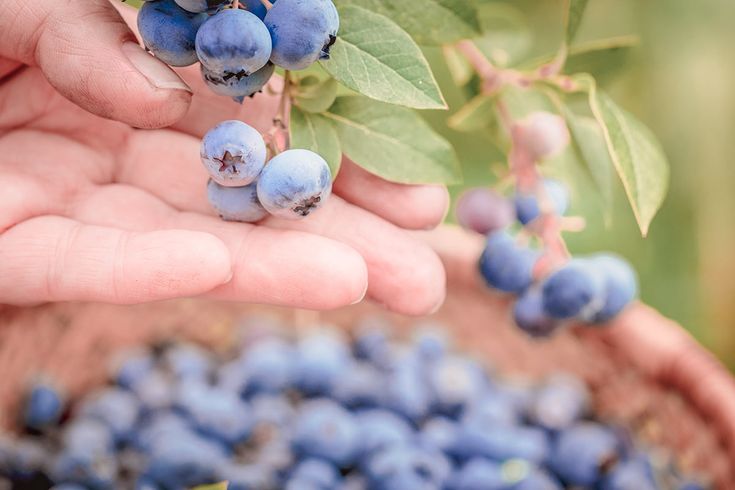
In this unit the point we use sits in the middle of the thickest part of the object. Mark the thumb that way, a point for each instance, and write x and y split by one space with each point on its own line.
88 53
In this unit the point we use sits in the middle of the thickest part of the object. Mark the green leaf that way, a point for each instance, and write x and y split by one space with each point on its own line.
479 113
214 486
429 22
507 37
459 68
377 58
393 142
314 132
636 154
313 95
602 59
575 11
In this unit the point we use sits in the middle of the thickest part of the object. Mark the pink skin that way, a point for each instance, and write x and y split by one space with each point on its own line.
95 210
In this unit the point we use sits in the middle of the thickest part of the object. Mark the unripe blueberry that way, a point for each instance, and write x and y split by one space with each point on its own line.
237 87
302 31
202 5
542 134
233 43
233 153
529 314
169 31
294 184
505 265
527 206
483 211
236 203
621 286
573 291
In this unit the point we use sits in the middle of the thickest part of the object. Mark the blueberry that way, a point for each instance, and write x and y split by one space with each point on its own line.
542 135
380 429
583 452
501 443
169 31
527 204
269 366
559 403
155 391
74 486
92 469
216 412
407 467
489 410
438 433
359 386
407 393
629 475
188 362
536 480
117 408
233 43
233 153
454 383
44 405
320 474
505 265
256 7
303 31
478 474
157 427
484 211
183 460
621 286
371 342
430 342
323 429
246 476
133 367
573 291
271 411
244 86
529 314
294 184
320 360
22 460
87 434
197 6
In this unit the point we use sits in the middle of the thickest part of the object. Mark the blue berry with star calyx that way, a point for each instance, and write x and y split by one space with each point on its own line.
169 32
233 43
294 184
303 31
233 153
236 203
237 87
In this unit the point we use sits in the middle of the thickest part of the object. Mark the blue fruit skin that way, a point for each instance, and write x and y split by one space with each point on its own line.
380 429
245 476
182 459
169 31
360 386
501 443
407 467
621 286
573 290
233 153
438 433
559 403
505 265
234 43
188 362
302 31
91 469
478 474
237 87
294 184
320 360
317 473
527 205
630 475
529 315
537 480
256 7
43 407
489 410
117 408
581 451
454 383
198 6
269 366
134 368
325 430
236 203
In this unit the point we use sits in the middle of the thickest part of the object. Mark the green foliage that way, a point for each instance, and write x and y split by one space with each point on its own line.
478 113
575 11
315 132
315 95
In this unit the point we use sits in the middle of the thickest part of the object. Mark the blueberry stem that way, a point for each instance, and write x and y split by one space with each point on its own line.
267 4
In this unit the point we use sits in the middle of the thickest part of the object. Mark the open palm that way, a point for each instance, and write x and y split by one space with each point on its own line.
93 209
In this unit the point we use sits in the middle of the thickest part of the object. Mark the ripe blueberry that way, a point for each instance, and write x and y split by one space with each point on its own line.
245 86
43 407
484 211
621 286
505 265
169 31
233 153
527 204
560 402
325 430
302 31
233 44
573 291
583 452
236 203
202 5
529 314
294 184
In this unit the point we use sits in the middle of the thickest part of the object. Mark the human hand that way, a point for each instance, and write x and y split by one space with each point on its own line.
93 209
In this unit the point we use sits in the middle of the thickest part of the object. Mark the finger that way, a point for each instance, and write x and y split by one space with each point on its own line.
58 259
87 52
269 266
417 207
166 163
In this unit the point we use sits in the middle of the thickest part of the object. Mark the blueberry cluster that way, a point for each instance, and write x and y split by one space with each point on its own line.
321 413
239 44
242 187
591 290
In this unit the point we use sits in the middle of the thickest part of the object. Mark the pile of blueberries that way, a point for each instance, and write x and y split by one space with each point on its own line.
591 290
239 44
322 412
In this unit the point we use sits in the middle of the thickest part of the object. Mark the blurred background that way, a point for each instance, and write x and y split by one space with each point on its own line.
679 80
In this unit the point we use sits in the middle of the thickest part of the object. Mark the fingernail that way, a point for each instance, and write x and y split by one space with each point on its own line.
156 71
362 297
228 278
